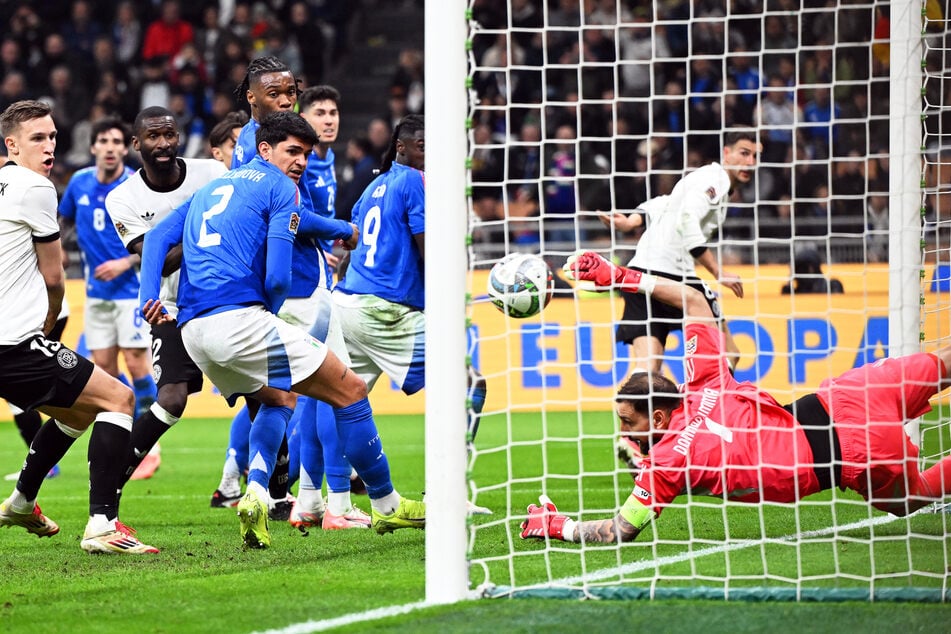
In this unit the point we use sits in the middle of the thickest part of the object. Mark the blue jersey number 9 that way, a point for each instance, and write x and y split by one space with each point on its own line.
371 231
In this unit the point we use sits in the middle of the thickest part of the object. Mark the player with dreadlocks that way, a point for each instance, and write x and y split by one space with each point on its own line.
269 86
381 298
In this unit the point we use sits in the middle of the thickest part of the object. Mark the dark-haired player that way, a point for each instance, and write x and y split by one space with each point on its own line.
236 276
164 182
716 436
224 136
36 373
112 322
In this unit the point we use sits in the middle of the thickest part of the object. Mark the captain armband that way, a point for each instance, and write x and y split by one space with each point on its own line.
636 513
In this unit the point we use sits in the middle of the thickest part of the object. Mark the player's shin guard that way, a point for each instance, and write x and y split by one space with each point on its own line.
49 445
267 435
362 447
476 403
311 450
108 444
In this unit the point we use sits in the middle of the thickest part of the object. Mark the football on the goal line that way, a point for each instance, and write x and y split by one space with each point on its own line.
521 285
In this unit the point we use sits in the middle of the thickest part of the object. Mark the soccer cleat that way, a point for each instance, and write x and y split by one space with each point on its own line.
409 514
149 465
119 541
221 500
280 510
302 519
34 521
354 518
13 477
252 514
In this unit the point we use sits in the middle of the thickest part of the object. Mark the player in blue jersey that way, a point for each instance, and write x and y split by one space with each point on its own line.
112 321
380 301
269 86
313 442
237 238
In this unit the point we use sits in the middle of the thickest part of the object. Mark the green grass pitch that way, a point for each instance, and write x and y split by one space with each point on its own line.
203 581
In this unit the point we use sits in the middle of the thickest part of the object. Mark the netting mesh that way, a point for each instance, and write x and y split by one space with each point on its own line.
579 108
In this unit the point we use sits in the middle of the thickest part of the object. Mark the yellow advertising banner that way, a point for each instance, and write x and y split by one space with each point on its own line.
566 357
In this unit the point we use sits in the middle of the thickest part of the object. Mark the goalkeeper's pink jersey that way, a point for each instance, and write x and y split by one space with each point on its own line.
728 439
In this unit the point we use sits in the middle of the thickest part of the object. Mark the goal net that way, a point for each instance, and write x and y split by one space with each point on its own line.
575 108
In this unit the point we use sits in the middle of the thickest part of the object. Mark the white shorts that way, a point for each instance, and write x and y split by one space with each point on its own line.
383 337
246 349
115 322
300 311
326 325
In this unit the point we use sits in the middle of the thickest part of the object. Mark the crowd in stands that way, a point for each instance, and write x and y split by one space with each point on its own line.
643 90
96 58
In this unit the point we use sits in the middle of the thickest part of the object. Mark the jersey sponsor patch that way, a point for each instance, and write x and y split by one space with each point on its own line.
294 223
121 229
711 194
66 358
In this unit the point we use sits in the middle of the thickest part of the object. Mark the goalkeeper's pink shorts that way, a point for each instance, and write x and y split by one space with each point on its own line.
868 407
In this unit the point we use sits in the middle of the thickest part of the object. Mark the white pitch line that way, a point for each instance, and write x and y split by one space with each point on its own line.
379 613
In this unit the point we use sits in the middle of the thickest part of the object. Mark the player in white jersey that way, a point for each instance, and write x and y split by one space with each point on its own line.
46 375
164 182
679 227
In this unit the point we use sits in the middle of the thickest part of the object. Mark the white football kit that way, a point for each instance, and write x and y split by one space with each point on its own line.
135 207
683 220
27 213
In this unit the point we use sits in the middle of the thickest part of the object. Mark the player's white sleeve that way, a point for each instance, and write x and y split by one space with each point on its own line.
128 224
39 205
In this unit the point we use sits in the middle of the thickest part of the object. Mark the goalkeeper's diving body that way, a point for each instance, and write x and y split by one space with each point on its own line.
719 437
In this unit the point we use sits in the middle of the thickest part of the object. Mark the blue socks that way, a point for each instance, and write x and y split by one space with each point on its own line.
266 437
362 446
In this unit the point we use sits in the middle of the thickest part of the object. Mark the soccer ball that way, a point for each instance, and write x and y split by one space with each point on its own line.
521 285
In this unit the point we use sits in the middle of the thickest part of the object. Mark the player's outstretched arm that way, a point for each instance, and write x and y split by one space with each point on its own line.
545 521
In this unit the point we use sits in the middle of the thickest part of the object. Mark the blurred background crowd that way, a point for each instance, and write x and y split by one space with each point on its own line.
580 105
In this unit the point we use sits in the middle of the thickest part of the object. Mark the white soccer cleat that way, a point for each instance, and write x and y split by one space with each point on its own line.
34 521
119 541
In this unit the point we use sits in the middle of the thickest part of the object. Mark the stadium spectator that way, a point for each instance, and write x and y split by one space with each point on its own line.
560 192
820 441
806 275
45 374
777 115
361 165
165 36
309 37
127 33
378 133
678 231
81 30
219 295
409 76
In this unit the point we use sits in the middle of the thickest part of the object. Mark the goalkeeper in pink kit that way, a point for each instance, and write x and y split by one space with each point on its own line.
715 436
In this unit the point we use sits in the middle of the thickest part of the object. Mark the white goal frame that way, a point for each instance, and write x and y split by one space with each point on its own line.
447 138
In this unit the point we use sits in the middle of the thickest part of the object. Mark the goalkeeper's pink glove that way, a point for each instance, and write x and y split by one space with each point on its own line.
591 267
544 521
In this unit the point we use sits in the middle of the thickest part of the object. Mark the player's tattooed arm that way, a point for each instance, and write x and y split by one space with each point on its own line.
608 531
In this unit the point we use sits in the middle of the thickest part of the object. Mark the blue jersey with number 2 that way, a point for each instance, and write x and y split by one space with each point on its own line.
387 263
226 229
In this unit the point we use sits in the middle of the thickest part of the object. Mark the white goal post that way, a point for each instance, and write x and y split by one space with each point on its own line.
506 79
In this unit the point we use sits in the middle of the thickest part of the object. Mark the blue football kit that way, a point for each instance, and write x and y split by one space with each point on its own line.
387 262
84 202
